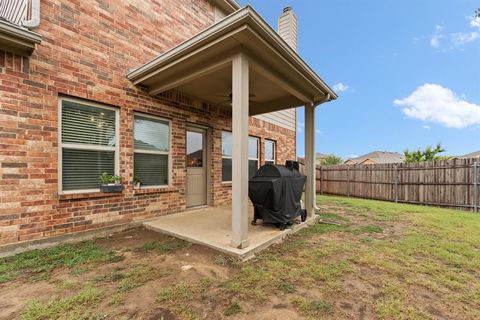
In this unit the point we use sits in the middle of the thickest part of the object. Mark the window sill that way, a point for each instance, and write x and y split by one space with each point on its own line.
227 183
150 190
88 195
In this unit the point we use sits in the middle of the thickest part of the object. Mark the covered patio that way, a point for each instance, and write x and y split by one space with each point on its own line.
242 58
211 227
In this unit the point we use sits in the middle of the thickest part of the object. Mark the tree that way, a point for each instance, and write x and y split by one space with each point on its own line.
477 13
428 154
330 160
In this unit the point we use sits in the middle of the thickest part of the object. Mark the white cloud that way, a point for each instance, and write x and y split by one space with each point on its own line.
300 126
340 87
475 22
457 39
351 155
319 132
426 127
437 36
434 103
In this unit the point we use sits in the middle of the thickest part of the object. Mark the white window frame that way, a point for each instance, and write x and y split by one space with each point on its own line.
225 157
274 143
82 146
168 153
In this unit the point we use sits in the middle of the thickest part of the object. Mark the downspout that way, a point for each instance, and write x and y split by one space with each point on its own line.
326 99
34 17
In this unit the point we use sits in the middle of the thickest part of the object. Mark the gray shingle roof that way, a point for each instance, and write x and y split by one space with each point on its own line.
380 157
475 154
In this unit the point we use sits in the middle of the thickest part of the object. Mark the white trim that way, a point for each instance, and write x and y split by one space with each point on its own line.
78 146
168 153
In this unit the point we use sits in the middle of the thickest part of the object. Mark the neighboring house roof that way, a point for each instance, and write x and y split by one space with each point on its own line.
318 156
475 154
378 157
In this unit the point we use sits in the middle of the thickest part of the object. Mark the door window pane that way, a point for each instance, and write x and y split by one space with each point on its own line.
194 149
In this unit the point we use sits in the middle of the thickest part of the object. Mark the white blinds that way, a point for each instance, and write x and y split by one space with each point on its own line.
81 168
87 125
151 134
88 145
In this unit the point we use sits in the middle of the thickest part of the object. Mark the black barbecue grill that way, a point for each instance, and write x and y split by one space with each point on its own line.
275 192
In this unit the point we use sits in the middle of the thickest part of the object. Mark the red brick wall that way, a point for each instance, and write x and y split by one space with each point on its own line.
86 51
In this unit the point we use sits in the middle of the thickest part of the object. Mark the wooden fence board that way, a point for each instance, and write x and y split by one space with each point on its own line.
449 183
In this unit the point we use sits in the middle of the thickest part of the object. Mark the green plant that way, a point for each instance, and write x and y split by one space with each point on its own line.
105 178
331 160
136 179
428 154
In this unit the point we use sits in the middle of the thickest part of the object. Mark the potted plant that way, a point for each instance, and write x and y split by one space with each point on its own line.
110 183
137 182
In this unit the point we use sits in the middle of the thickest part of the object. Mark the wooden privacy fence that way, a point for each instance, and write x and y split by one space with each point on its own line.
451 183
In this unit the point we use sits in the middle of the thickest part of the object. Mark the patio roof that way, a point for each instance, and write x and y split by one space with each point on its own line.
201 67
242 64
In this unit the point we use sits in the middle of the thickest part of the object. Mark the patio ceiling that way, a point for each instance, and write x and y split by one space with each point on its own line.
202 67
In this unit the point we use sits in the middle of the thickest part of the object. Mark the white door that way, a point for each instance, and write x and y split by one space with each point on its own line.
196 167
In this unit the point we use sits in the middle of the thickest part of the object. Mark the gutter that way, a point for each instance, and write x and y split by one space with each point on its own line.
35 16
21 33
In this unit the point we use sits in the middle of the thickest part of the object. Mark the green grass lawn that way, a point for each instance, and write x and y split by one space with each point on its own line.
366 260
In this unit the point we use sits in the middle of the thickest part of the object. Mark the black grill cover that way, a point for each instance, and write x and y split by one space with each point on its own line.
275 192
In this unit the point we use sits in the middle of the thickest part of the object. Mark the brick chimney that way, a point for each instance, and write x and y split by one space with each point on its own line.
288 27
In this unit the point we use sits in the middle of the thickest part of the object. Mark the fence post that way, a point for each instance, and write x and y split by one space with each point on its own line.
475 186
348 181
321 179
396 183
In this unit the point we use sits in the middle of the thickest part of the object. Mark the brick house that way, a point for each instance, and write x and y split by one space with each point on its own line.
141 89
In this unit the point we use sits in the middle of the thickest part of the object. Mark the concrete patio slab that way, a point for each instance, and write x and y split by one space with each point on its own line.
211 227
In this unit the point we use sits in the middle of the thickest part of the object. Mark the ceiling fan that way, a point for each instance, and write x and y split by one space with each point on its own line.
228 97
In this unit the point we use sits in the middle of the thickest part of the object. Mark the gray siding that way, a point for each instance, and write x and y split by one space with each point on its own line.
285 118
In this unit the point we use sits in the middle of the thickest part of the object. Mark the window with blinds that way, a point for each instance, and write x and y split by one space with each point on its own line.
270 152
88 144
152 148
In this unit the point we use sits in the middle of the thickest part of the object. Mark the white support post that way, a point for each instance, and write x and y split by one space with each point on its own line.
240 105
310 159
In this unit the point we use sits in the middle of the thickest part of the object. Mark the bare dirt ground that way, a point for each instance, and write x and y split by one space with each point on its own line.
368 260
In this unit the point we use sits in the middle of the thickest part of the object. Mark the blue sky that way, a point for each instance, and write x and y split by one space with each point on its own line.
410 72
